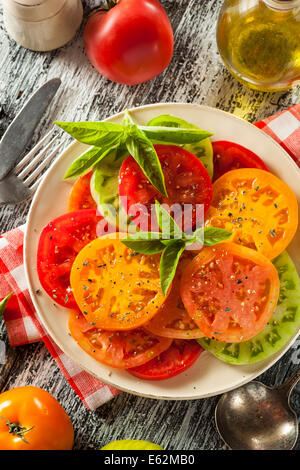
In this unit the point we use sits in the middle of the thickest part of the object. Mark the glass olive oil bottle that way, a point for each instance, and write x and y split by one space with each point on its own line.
259 42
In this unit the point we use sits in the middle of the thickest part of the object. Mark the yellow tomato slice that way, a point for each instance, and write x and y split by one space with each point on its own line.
259 208
115 287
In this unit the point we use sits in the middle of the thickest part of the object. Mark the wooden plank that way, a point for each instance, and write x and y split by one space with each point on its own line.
195 75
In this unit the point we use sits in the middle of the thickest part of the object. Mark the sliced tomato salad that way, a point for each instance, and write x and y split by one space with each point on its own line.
230 291
173 361
172 319
60 242
257 207
115 287
80 197
187 183
116 348
231 156
226 292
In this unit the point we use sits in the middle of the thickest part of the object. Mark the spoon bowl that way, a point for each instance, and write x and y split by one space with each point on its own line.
257 417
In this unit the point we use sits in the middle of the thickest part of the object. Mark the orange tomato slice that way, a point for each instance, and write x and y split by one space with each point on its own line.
80 197
119 349
259 208
172 319
115 287
230 291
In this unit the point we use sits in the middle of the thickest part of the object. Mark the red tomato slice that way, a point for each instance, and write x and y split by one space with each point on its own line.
60 242
176 359
231 156
187 183
80 197
230 291
118 349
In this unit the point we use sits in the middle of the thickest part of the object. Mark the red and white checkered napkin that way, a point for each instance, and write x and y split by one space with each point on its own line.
21 322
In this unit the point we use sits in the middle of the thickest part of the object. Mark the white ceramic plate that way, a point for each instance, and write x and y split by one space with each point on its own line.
208 376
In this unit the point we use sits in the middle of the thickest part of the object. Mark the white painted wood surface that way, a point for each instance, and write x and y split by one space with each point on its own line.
195 75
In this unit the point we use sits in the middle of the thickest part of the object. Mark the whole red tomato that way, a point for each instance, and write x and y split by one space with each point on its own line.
31 419
131 43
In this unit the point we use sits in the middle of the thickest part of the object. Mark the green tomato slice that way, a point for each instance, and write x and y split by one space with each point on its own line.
284 324
131 444
203 149
105 190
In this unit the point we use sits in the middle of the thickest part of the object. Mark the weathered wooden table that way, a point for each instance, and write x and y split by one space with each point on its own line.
195 75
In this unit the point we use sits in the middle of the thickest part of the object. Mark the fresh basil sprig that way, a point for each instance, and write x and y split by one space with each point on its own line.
171 242
3 303
106 137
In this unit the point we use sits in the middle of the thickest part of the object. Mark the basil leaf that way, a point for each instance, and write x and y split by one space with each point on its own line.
203 149
167 224
214 235
144 236
145 242
100 134
175 135
168 263
142 150
86 161
147 248
3 303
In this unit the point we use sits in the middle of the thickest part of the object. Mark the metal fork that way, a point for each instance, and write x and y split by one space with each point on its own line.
23 181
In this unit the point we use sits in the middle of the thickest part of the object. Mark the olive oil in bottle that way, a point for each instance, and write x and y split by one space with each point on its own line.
259 42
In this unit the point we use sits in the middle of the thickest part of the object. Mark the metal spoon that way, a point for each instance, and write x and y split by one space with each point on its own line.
257 417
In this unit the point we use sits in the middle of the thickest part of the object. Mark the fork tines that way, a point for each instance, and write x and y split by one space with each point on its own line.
30 168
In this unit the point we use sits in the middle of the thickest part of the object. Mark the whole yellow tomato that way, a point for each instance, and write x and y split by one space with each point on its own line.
31 419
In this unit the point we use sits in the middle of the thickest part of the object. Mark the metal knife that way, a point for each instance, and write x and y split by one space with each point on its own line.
20 131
